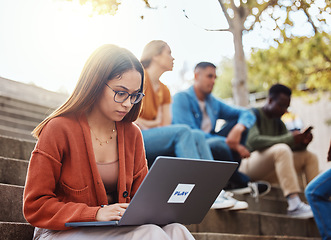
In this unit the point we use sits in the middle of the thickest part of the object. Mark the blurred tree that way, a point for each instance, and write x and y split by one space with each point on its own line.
245 15
223 87
225 74
102 6
299 63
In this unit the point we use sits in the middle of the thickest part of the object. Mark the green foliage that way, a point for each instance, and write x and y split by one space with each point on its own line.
296 62
223 86
223 83
255 13
102 7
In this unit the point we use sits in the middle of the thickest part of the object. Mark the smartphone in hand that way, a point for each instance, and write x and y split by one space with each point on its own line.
308 129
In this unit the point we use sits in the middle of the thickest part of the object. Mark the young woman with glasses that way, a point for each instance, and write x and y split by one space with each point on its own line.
84 157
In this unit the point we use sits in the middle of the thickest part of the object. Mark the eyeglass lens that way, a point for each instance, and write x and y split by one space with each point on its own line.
122 96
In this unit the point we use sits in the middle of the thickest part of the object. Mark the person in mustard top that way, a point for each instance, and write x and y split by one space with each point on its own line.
160 137
83 167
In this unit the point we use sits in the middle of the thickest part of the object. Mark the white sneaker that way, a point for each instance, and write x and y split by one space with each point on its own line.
221 202
238 205
241 191
225 200
303 211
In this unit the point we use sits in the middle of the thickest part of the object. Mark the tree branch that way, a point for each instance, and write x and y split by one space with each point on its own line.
207 29
319 70
227 16
304 8
263 8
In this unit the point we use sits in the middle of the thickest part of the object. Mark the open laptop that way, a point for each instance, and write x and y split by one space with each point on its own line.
174 190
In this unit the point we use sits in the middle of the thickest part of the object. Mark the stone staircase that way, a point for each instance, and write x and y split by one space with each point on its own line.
265 219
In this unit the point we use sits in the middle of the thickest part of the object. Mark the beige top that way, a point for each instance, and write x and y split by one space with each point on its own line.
109 176
206 122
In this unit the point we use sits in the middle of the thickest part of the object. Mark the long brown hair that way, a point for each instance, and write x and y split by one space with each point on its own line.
106 63
151 50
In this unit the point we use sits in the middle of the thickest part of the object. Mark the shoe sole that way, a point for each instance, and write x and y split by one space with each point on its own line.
237 208
226 207
241 191
301 217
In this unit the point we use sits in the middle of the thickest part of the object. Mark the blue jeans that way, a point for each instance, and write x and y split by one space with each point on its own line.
318 193
222 152
177 140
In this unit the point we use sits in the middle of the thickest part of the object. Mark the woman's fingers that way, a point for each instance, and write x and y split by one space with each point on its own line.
111 212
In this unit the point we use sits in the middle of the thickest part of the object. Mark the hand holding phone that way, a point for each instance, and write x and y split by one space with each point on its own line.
308 129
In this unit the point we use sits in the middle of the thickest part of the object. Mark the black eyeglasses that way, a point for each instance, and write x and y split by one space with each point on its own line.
122 96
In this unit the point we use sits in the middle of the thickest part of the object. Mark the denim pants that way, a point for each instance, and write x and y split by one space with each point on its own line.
318 193
222 152
177 140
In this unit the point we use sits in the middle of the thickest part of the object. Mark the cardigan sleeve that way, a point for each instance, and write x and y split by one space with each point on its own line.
42 206
140 163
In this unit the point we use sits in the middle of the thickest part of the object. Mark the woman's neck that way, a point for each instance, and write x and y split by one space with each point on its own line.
98 122
154 74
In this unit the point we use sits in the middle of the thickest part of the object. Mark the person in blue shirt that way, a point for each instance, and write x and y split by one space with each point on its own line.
199 109
318 194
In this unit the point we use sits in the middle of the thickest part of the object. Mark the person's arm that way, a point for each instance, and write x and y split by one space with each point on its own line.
140 162
233 140
145 124
234 136
258 141
163 118
301 140
41 206
165 115
229 113
245 120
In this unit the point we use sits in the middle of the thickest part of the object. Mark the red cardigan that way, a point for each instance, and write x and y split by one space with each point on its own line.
63 183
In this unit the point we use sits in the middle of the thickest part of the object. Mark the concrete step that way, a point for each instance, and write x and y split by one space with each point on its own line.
16 133
270 203
13 171
17 123
16 148
21 114
264 204
226 236
13 102
31 94
273 202
277 193
253 223
16 231
11 201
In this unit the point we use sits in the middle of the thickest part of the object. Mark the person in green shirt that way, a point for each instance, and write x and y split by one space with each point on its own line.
279 155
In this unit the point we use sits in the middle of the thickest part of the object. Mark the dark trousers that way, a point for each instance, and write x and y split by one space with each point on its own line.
222 152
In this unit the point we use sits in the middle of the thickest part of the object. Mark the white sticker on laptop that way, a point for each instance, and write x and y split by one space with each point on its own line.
181 193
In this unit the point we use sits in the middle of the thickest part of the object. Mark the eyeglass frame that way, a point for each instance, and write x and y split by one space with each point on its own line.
129 95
